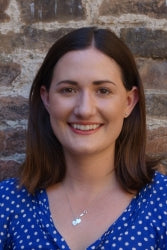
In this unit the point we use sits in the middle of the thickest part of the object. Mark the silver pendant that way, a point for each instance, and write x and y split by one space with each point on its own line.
76 221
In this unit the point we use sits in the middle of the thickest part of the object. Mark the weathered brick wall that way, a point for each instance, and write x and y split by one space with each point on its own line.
27 30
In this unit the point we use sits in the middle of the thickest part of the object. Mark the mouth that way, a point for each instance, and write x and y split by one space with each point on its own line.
85 127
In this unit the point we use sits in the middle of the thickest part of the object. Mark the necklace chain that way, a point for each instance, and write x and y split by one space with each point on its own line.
76 220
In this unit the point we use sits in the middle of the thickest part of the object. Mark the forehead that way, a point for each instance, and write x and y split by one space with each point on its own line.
87 60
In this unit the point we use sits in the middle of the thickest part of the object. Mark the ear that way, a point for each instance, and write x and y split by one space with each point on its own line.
132 99
45 97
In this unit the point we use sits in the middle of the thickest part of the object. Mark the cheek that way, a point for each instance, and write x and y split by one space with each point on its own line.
114 112
121 108
57 121
59 111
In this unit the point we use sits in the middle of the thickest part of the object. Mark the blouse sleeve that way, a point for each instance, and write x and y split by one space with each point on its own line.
159 209
6 209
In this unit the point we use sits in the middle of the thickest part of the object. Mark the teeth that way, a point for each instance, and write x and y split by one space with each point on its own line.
85 127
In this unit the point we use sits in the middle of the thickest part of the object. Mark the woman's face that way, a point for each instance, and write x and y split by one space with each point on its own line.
87 102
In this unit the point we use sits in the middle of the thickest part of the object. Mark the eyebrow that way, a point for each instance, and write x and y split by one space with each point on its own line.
99 82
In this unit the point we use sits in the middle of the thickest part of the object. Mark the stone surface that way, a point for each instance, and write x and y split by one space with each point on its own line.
146 42
156 105
41 39
153 73
157 141
13 108
157 146
12 141
8 73
8 169
30 38
162 168
151 8
28 28
50 10
3 6
9 42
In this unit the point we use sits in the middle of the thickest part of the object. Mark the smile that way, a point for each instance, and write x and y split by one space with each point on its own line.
87 127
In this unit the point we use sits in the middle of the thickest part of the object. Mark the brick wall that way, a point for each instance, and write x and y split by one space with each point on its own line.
27 30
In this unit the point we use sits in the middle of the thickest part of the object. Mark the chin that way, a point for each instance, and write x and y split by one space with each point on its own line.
82 150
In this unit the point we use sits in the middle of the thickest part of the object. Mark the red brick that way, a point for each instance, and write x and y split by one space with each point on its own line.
145 42
43 10
30 38
12 141
9 168
156 105
3 7
8 73
13 108
157 141
157 146
152 8
153 73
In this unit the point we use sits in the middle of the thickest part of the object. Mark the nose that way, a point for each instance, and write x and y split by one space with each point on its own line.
85 106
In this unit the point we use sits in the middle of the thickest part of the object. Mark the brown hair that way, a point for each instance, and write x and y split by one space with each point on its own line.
44 164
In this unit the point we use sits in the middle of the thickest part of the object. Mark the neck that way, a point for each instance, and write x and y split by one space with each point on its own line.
92 173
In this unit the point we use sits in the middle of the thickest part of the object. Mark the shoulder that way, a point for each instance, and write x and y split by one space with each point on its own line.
8 184
155 195
159 184
12 195
157 189
10 187
15 202
152 199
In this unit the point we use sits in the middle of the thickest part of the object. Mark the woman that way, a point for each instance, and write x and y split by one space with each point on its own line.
86 182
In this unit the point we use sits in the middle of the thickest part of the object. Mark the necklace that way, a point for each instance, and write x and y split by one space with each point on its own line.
76 220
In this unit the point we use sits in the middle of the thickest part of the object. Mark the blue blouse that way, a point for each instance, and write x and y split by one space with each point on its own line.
26 221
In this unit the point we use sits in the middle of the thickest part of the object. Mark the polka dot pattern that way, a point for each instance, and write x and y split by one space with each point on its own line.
26 221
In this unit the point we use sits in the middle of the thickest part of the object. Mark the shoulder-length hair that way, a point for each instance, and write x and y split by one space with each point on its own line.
44 164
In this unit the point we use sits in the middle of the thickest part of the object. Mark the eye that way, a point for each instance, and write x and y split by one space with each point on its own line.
104 91
68 91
